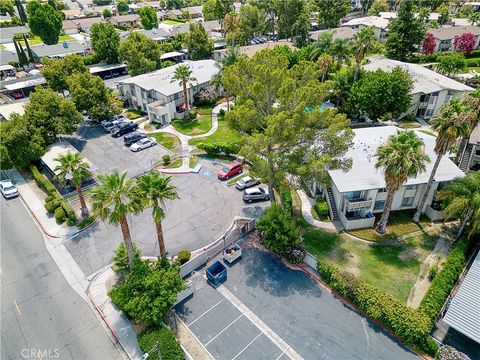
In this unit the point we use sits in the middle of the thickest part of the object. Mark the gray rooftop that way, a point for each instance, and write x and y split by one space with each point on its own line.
9 32
337 33
7 57
463 314
447 33
60 49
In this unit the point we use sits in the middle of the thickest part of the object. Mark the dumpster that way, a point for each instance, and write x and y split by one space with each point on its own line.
232 253
216 272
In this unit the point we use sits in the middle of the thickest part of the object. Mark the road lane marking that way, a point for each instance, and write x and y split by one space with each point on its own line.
245 348
223 330
18 308
206 312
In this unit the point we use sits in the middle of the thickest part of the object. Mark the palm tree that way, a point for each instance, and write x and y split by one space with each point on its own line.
113 200
341 50
363 42
401 157
183 75
73 169
462 199
152 191
451 125
322 46
230 26
230 57
324 62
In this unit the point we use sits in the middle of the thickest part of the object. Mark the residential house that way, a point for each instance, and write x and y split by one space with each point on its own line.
159 96
58 50
7 57
72 13
124 20
153 4
354 196
378 23
7 33
85 4
98 10
172 14
392 15
445 36
212 28
158 35
194 12
430 89
69 27
84 24
337 33
251 50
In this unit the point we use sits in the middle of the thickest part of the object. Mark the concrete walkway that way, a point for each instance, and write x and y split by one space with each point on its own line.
307 204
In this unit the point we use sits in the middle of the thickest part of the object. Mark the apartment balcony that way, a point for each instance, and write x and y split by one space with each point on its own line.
357 204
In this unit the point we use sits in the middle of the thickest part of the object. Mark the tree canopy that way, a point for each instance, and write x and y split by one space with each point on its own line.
198 44
141 54
122 6
56 71
44 21
148 17
7 7
330 12
451 63
105 42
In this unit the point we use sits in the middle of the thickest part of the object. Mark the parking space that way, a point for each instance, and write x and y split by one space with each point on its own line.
266 310
108 154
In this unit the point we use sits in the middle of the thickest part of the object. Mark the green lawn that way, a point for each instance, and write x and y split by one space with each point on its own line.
193 161
133 114
223 135
393 269
172 22
198 126
169 141
476 68
409 125
174 164
399 224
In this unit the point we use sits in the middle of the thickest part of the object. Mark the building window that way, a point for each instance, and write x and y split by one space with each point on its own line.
132 90
424 98
353 195
429 112
411 187
379 205
382 190
407 201
435 93
175 96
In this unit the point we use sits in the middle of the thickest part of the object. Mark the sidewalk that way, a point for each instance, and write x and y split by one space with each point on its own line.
307 204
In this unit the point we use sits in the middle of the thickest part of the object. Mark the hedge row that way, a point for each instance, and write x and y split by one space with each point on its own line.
217 148
435 56
407 323
445 280
169 345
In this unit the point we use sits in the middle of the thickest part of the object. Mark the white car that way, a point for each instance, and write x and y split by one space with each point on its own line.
246 182
255 193
143 144
8 189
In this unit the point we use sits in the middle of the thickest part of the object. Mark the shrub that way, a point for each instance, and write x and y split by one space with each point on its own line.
166 159
321 207
192 114
432 272
449 353
51 206
85 222
217 148
71 218
59 215
183 256
43 182
221 113
169 345
445 280
49 198
286 195
120 259
295 255
205 96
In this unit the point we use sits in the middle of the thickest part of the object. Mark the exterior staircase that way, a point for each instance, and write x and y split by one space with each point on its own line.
331 203
466 158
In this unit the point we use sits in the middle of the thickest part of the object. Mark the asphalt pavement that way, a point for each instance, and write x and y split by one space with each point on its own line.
42 316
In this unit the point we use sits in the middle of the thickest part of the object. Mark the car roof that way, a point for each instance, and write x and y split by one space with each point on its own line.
253 190
6 183
231 165
246 178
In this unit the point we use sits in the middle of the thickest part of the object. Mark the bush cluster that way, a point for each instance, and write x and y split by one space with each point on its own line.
59 215
205 96
85 222
436 56
184 256
120 259
449 353
217 148
287 201
169 345
321 207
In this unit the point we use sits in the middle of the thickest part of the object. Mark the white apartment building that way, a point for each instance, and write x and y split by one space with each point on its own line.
378 24
445 36
157 95
355 195
430 89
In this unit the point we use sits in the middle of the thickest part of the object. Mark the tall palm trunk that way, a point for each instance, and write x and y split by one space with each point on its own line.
357 69
158 227
421 204
382 224
127 239
464 224
83 205
185 95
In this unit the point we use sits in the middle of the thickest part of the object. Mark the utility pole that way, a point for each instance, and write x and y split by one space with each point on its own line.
159 352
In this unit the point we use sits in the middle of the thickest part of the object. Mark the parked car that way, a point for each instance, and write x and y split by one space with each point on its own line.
123 128
109 125
143 144
230 170
133 137
255 193
246 182
120 117
8 189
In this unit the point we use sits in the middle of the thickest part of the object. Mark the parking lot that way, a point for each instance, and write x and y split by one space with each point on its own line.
108 154
265 310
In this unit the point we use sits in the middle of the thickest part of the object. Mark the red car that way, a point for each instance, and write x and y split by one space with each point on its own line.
230 170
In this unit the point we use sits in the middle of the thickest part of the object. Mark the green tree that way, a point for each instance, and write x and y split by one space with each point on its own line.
323 45
222 8
44 21
324 62
106 13
122 6
379 93
341 50
277 113
22 57
401 157
290 17
21 12
451 125
113 200
363 42
209 10
148 17
51 114
377 7
174 4
21 144
105 42
7 7
183 75
461 199
229 58
74 169
148 292
405 33
475 18
330 12
251 23
444 10
141 54
342 84
152 191
198 44
451 63
56 71
31 58
301 30
269 8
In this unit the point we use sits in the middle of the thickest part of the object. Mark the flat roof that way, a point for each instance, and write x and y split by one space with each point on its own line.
447 33
171 54
337 33
57 149
6 110
463 313
375 21
61 48
104 67
364 176
25 84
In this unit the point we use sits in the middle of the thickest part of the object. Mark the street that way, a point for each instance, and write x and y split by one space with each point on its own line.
42 316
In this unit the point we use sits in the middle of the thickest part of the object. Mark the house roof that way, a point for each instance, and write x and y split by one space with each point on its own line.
57 149
475 135
251 50
463 312
60 49
85 23
7 57
6 110
337 33
154 34
72 12
69 24
393 15
364 176
192 10
9 32
447 33
211 25
424 80
124 18
375 21
159 80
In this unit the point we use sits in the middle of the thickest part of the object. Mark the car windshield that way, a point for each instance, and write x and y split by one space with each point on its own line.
226 169
9 188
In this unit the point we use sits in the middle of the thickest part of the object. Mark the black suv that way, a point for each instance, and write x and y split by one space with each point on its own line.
123 128
133 137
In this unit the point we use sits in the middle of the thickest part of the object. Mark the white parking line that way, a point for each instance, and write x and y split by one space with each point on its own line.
205 313
245 348
279 356
223 330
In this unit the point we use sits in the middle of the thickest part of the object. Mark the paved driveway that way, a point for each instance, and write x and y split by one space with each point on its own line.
290 311
205 210
108 154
